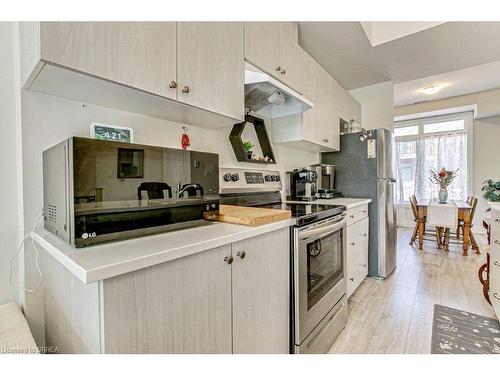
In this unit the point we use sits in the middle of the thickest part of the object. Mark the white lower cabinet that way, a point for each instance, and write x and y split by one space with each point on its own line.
494 275
260 290
182 306
231 299
357 252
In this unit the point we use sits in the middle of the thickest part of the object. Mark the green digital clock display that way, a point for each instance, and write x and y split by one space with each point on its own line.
111 133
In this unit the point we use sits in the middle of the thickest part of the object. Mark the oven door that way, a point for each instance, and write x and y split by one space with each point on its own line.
319 272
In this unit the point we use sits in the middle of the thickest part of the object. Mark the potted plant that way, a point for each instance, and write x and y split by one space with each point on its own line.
443 178
491 191
248 148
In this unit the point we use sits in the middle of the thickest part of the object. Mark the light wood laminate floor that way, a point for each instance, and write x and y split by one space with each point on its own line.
395 315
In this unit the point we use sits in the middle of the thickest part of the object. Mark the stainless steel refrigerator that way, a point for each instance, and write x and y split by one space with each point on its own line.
365 168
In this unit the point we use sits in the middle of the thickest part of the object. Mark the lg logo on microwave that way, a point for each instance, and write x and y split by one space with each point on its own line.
88 235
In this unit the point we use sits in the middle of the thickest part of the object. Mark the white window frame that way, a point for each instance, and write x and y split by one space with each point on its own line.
420 122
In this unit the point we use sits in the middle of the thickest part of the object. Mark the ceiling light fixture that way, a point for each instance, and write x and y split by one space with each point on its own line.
431 90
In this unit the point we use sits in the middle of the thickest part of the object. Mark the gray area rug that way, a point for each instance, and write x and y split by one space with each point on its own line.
460 332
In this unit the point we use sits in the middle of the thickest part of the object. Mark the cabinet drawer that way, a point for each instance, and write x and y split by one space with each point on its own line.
355 214
495 286
362 249
495 225
495 261
357 254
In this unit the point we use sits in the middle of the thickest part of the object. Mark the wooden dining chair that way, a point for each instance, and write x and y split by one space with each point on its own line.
438 231
472 201
460 222
413 204
473 204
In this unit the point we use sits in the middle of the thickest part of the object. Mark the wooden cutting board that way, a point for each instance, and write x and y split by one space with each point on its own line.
249 216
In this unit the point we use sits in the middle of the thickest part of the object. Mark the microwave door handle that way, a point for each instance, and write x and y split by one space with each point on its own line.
318 232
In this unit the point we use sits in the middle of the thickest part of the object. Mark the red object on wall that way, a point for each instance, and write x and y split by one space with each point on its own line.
185 140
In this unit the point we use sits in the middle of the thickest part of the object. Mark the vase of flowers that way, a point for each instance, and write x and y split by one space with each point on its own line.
443 178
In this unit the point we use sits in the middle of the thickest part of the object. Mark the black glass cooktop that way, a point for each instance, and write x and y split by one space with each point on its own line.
306 213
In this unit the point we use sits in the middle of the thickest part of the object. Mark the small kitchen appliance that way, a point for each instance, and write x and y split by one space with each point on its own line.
318 302
96 191
303 184
326 181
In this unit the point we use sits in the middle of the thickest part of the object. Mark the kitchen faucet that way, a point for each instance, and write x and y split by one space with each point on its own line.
196 187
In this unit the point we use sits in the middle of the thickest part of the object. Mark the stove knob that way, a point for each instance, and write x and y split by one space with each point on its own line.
277 177
235 177
268 178
227 177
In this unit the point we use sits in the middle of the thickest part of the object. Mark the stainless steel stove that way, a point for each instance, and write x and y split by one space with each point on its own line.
318 254
261 188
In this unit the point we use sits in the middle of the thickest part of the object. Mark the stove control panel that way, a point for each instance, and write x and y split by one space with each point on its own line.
237 180
254 177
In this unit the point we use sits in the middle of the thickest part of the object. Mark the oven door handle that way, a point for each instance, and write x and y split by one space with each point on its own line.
332 226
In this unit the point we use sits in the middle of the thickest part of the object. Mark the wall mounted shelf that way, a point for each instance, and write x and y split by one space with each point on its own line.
262 135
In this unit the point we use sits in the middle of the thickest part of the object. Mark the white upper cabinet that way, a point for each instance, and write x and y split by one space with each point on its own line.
316 129
210 66
349 108
319 122
291 28
137 54
292 59
189 72
355 110
273 48
184 72
262 46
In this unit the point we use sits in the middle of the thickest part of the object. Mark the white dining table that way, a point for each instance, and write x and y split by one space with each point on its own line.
464 213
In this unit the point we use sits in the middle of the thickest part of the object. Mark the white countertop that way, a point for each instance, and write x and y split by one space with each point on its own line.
494 205
348 202
103 261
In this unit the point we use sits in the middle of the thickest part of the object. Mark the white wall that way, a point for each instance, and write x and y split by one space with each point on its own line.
9 229
486 141
486 161
48 120
377 103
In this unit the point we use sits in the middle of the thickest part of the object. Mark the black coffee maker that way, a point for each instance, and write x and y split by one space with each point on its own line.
303 185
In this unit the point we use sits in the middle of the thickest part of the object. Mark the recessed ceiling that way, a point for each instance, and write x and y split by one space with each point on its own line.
344 50
380 32
459 82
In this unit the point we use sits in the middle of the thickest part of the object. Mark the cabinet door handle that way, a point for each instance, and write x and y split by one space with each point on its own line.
283 72
352 243
363 265
352 279
497 242
185 89
241 254
364 235
228 259
496 263
497 220
495 295
173 85
351 216
278 68
363 211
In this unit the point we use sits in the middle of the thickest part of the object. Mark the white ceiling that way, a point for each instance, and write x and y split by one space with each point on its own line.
459 82
344 50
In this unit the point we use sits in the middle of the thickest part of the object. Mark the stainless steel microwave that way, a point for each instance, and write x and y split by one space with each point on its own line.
96 191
